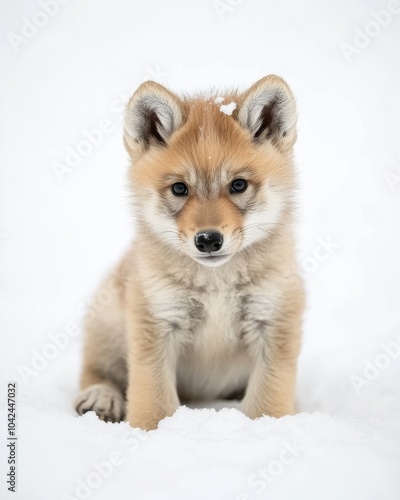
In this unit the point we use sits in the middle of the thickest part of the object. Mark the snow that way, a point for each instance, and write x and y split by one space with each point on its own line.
205 454
63 92
228 109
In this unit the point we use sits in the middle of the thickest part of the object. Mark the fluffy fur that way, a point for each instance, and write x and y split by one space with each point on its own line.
180 324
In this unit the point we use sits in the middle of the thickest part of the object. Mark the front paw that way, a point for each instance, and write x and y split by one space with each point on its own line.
147 420
254 410
107 402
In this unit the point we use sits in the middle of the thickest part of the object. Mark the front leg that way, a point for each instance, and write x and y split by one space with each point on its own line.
272 384
152 354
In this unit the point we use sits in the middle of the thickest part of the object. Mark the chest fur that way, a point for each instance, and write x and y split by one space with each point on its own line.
214 318
213 326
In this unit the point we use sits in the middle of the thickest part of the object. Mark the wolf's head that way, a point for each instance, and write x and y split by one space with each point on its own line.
208 182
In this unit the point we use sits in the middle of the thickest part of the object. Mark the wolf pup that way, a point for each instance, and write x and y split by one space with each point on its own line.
207 302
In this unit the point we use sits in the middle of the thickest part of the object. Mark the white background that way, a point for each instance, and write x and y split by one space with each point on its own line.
57 240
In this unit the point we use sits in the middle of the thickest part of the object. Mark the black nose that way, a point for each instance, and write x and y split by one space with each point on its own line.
208 241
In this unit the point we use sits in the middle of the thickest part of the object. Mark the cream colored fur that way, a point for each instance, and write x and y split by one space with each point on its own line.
182 326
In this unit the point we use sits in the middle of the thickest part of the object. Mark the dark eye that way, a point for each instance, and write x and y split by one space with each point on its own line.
179 189
238 186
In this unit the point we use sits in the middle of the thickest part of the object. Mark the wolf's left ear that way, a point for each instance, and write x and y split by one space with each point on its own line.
151 117
268 111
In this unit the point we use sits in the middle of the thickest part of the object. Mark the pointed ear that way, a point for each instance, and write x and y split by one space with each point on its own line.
151 117
268 111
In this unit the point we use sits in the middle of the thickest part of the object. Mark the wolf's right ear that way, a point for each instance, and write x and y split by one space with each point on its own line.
151 117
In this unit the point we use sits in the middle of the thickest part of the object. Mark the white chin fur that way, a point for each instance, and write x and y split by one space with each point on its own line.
212 261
